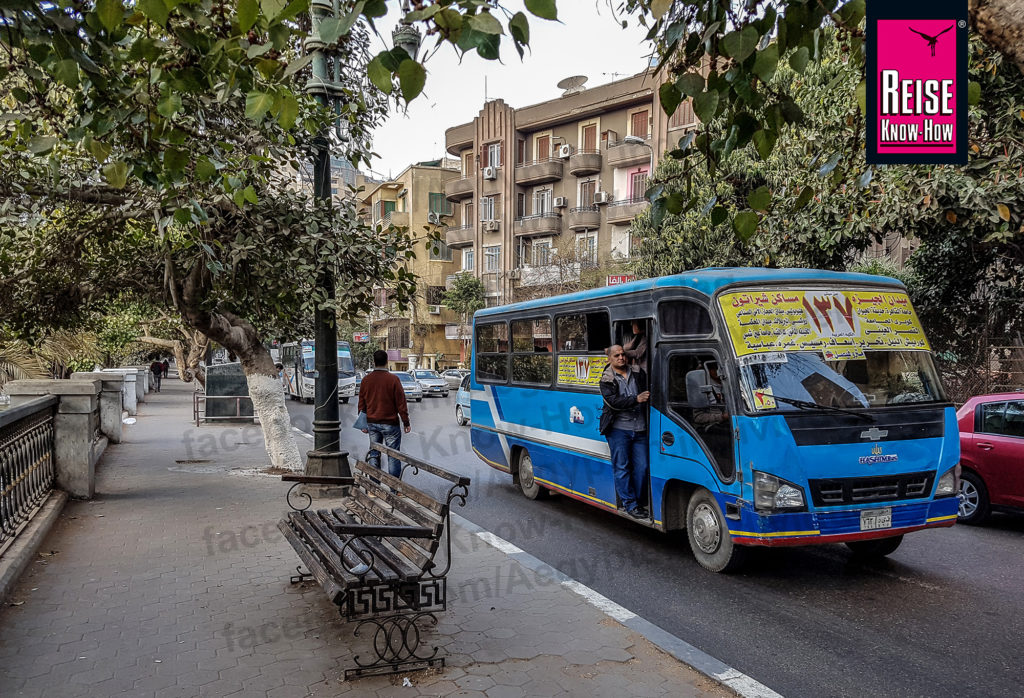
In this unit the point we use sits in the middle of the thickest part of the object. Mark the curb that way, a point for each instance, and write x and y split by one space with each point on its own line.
700 661
27 543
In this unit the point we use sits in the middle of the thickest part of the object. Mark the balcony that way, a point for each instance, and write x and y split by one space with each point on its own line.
461 236
584 218
539 171
458 189
624 211
549 274
549 223
396 218
459 138
585 162
624 154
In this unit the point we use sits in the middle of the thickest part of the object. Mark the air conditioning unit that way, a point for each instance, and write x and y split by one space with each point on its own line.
602 197
434 309
564 150
491 226
434 218
560 202
490 172
513 274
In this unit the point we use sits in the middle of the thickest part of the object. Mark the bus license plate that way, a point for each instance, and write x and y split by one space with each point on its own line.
873 519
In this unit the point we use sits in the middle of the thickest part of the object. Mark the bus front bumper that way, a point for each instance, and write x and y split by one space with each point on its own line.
838 526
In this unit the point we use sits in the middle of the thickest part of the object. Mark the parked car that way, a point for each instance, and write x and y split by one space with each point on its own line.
991 455
462 415
430 382
454 376
412 389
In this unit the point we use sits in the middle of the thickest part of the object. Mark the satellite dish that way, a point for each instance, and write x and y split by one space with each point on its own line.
572 85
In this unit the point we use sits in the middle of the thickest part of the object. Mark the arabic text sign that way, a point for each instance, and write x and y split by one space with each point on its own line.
841 324
581 370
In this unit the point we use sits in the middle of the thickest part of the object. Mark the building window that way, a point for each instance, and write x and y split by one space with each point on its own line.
439 204
467 260
520 205
637 183
438 251
520 151
488 208
492 258
383 209
541 253
467 163
491 155
639 124
586 248
467 214
587 190
589 142
398 337
541 202
543 148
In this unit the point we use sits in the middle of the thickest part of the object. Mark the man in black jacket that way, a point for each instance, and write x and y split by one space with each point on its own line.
624 424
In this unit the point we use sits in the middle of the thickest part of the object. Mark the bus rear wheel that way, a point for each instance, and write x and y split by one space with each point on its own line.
528 484
879 547
712 546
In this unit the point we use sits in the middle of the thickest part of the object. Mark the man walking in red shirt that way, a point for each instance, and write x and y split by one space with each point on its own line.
382 398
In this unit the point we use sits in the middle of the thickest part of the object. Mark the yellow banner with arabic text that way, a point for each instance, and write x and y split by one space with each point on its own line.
841 324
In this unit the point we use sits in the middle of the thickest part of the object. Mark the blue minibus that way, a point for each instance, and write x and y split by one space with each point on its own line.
829 422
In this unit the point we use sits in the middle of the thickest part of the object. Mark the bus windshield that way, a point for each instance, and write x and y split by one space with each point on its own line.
345 367
879 378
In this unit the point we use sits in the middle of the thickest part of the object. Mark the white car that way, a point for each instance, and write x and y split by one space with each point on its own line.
410 386
454 376
430 382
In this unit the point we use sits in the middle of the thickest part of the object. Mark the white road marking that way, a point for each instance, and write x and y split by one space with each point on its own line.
499 543
745 686
601 603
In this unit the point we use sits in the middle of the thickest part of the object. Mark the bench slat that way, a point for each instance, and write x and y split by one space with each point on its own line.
417 555
403 567
421 498
383 531
334 592
319 479
364 505
321 521
335 564
423 465
400 505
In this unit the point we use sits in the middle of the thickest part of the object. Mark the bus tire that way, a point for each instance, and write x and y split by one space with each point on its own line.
878 547
708 532
528 485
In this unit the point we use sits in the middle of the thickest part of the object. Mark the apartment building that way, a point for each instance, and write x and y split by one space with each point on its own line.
548 190
425 335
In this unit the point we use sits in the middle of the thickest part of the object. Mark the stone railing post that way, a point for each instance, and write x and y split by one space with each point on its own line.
78 443
131 391
111 401
143 382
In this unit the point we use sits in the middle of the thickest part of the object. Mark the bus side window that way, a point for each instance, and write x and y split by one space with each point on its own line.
583 332
684 318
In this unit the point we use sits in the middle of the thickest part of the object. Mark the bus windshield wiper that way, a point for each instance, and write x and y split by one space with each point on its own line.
804 404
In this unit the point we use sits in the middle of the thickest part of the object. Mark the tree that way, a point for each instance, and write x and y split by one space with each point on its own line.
465 297
147 148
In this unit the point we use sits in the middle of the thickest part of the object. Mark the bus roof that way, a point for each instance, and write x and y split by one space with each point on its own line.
707 281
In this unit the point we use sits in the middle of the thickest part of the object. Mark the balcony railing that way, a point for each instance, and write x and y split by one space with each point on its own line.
585 162
539 224
458 189
539 171
27 462
623 211
460 236
623 154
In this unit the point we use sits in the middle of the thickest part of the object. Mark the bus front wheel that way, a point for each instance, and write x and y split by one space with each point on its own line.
528 484
879 547
712 546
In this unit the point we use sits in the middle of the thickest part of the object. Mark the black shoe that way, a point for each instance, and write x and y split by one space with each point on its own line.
637 513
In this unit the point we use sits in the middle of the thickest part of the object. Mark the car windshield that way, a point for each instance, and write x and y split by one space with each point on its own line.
877 379
426 374
405 378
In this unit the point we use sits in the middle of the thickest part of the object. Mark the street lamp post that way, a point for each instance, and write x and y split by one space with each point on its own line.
330 63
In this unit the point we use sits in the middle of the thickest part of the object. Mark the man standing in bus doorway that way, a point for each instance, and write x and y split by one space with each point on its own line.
624 424
382 398
636 347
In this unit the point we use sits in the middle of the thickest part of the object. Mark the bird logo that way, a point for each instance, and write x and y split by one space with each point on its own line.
932 40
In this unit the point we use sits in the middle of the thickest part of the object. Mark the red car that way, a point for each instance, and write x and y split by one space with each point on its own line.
991 455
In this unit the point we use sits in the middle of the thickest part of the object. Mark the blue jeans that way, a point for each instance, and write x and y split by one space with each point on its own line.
391 436
630 465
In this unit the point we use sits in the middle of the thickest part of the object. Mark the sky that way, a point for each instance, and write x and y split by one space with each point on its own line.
588 41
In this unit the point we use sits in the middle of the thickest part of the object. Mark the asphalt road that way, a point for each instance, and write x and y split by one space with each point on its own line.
942 616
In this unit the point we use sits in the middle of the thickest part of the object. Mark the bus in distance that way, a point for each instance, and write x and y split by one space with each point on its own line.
299 372
788 407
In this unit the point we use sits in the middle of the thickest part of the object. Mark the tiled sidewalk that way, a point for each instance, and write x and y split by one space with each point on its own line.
174 582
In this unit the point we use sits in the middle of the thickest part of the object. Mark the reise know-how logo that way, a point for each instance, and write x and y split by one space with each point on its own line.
917 82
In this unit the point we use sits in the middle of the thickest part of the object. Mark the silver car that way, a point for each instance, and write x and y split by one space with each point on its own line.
430 382
412 389
454 376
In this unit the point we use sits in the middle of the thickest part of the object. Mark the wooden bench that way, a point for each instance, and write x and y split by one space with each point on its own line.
375 555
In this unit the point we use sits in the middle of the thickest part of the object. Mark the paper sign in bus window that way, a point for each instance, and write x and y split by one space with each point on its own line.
764 399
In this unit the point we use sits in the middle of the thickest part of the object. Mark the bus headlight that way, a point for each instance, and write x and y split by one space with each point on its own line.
772 493
949 481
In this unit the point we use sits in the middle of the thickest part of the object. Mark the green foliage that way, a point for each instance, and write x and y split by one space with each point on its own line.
466 295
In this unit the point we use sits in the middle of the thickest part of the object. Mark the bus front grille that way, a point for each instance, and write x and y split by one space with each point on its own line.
866 490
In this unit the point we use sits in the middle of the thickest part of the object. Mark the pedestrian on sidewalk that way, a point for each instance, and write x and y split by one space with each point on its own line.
167 367
624 424
157 369
382 398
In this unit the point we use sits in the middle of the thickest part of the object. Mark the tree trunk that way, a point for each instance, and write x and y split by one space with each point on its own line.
1001 24
188 368
239 337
